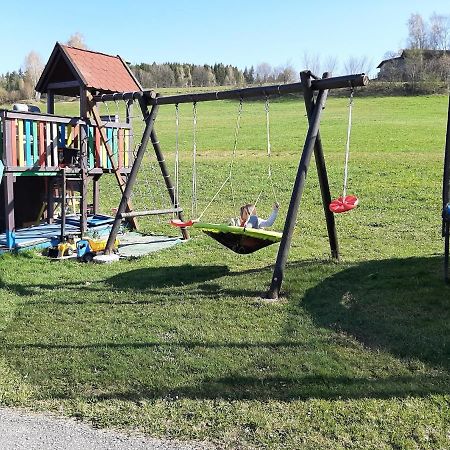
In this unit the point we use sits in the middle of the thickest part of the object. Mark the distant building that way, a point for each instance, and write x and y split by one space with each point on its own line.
399 68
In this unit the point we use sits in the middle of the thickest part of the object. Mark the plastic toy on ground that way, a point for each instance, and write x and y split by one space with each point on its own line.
88 248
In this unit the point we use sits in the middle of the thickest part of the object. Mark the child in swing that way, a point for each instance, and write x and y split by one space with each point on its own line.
249 218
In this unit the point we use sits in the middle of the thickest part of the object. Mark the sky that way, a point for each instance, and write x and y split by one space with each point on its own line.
241 33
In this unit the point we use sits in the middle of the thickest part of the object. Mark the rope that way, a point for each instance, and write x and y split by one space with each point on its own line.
347 145
194 161
269 148
236 135
230 174
176 198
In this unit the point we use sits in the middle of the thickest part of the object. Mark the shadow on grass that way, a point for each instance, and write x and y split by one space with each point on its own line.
152 281
401 306
163 277
158 281
230 351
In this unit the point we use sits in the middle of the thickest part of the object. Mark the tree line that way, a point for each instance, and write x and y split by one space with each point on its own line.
187 75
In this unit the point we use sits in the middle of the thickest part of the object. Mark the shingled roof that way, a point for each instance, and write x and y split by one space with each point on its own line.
70 68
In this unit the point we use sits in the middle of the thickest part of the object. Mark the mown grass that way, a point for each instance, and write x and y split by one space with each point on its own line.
179 344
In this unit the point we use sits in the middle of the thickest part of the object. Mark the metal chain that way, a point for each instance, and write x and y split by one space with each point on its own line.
194 161
269 148
229 178
347 145
236 136
176 200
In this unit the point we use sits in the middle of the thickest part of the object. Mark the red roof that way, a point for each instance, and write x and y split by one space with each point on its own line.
102 72
70 68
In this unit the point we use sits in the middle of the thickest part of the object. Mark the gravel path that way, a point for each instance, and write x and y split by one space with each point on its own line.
30 431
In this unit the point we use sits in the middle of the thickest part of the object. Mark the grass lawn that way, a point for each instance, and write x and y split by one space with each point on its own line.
179 344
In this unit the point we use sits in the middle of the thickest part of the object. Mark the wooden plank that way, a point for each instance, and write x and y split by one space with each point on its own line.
28 154
69 134
76 136
55 161
48 144
98 159
2 127
91 148
63 85
151 212
61 136
115 146
13 124
103 154
35 150
84 181
121 147
8 202
43 117
110 161
126 154
42 154
21 149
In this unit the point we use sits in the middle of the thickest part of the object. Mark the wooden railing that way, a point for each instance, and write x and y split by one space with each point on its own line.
40 142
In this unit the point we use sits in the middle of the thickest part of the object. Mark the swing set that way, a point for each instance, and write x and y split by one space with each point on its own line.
244 239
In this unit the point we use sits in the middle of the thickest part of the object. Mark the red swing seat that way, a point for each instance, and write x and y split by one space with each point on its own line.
182 224
344 204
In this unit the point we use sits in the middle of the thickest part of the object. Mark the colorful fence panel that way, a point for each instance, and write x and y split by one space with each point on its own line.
40 143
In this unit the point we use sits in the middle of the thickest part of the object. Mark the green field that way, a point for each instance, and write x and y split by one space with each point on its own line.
179 344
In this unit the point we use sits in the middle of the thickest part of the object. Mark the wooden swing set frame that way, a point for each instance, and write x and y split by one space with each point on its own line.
315 91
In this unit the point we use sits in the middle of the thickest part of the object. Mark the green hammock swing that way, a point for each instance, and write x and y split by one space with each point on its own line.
239 239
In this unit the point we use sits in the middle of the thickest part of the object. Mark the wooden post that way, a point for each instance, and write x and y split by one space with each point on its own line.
83 160
321 167
149 123
8 179
297 192
63 196
96 193
50 102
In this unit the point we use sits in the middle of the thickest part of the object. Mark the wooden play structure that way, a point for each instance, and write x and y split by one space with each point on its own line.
48 160
446 201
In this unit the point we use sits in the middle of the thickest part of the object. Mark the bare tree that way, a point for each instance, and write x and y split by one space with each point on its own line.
331 64
263 72
77 40
417 32
312 62
32 68
439 32
285 74
357 65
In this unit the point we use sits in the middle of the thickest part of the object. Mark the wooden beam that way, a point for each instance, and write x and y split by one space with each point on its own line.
151 212
63 85
50 102
8 189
